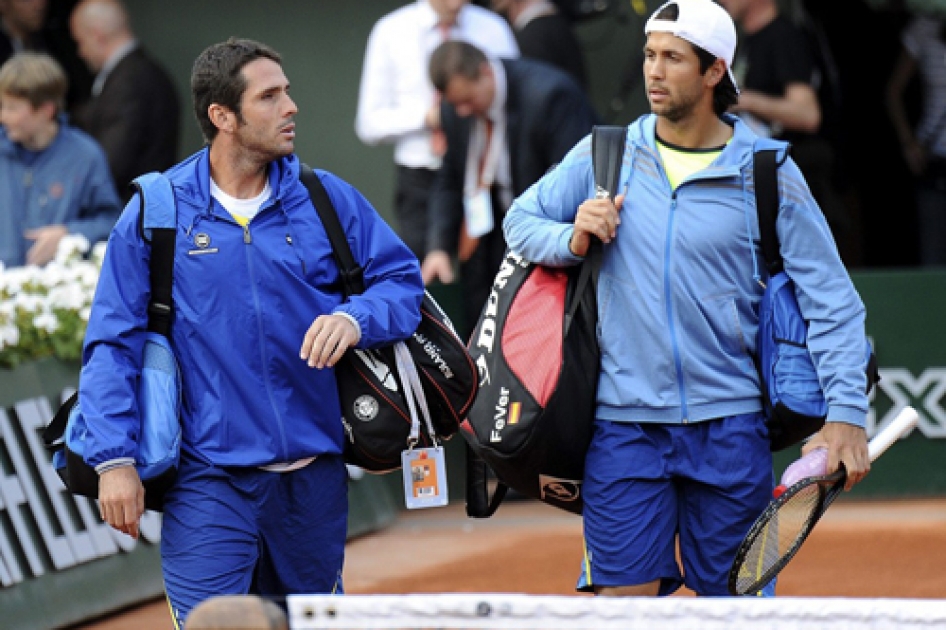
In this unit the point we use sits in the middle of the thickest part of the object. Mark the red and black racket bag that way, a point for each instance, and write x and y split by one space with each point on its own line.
532 418
536 350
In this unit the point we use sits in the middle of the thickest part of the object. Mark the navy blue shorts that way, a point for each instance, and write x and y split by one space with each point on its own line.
650 487
238 531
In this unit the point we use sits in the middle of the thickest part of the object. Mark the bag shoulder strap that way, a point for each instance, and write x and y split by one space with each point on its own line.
607 156
352 275
766 195
157 223
768 155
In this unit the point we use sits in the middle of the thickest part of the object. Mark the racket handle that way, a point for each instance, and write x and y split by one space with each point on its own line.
901 425
813 464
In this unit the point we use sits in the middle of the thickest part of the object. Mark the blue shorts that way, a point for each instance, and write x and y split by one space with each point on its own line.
237 531
650 487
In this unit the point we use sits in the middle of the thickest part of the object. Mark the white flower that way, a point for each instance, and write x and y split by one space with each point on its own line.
40 308
87 275
47 322
52 274
29 302
71 247
13 279
67 296
9 336
98 252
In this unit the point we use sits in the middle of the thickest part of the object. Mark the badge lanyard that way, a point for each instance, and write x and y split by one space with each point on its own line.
424 469
486 147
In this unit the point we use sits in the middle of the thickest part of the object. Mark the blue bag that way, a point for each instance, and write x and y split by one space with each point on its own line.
794 403
159 385
159 443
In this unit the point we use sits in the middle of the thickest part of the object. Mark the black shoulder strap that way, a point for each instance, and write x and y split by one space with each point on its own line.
163 241
351 273
162 271
765 173
607 156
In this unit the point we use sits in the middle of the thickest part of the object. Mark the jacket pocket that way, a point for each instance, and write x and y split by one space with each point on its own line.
721 315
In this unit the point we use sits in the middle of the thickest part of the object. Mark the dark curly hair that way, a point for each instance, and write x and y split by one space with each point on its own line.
217 78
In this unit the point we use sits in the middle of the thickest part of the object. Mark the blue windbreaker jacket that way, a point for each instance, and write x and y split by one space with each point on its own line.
243 301
679 289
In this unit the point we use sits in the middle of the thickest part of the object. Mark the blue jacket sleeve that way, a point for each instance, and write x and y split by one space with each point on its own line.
389 309
540 223
114 342
827 298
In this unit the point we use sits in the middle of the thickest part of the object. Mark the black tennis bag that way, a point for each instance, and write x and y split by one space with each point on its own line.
375 397
375 410
536 350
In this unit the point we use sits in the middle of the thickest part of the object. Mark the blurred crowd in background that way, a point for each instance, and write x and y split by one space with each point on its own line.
875 155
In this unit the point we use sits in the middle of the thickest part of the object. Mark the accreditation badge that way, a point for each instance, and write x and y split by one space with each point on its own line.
478 213
425 477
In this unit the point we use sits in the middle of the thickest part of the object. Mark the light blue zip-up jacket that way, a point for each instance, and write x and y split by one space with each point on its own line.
243 301
68 184
679 290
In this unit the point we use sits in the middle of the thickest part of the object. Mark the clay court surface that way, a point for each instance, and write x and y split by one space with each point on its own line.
860 549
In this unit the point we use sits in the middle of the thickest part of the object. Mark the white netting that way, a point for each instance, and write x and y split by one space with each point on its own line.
457 611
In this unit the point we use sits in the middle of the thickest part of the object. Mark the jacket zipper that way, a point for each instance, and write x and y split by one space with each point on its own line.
248 240
668 296
668 293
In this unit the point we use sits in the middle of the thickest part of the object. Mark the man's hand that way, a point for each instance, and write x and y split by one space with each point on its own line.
45 242
432 117
122 499
596 217
327 339
437 266
846 443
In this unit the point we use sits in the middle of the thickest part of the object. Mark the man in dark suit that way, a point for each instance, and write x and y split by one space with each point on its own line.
507 122
134 112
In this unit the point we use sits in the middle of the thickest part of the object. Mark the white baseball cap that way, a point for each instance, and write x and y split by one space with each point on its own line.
702 23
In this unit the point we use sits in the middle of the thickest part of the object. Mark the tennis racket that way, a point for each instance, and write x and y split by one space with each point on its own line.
781 529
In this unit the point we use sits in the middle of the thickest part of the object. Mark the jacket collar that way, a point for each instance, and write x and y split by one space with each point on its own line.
737 153
191 180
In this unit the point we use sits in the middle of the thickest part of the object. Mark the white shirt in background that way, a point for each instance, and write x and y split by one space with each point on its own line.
396 92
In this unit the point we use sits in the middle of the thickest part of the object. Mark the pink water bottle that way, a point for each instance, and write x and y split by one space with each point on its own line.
813 464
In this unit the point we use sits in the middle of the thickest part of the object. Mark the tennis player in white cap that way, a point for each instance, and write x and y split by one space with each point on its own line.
680 457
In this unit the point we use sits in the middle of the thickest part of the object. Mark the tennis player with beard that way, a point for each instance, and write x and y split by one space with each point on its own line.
260 504
680 452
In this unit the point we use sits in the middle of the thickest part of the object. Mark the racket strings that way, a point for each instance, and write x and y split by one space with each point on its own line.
777 540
